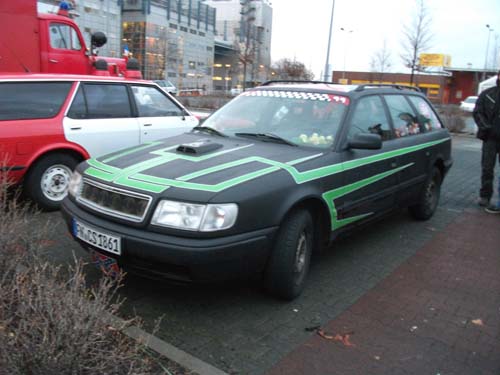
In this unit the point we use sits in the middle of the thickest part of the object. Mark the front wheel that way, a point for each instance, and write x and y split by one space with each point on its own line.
48 180
289 263
429 197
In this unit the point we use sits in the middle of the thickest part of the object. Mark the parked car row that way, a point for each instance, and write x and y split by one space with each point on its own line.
278 173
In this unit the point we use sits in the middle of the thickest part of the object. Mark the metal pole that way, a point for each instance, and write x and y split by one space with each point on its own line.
346 35
327 63
487 48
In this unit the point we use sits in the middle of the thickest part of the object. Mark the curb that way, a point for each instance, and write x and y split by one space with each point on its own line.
167 350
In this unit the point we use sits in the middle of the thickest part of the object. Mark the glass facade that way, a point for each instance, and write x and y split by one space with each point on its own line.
172 39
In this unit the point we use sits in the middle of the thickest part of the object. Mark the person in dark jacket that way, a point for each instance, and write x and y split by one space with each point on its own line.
487 117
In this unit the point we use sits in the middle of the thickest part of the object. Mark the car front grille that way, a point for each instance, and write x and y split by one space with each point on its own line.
113 201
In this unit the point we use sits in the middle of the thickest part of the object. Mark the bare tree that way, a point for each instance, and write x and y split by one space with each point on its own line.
291 69
381 61
246 45
417 37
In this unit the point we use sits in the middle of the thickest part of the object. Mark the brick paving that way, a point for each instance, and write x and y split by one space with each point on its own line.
438 313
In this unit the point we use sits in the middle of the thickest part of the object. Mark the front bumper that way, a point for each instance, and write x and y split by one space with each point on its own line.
162 256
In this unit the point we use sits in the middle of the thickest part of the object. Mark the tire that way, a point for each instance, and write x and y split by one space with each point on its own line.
429 197
289 262
47 181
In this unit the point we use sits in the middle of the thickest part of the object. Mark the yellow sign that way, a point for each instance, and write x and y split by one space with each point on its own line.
435 59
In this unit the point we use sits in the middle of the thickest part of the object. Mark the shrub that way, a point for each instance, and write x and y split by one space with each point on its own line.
453 118
50 321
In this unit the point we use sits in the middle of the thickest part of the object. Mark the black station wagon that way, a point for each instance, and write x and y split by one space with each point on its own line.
272 176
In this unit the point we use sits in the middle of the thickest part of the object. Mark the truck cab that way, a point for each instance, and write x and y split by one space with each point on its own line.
53 43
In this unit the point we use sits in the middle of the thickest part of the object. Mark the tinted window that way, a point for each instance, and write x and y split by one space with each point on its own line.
427 119
32 100
403 117
63 37
107 101
369 117
151 102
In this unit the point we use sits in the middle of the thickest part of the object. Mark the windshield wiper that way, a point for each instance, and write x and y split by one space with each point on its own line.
266 137
209 130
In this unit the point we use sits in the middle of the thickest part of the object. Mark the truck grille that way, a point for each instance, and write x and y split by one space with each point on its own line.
113 201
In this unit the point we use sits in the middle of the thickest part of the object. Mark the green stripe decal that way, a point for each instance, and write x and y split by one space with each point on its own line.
331 195
145 146
135 177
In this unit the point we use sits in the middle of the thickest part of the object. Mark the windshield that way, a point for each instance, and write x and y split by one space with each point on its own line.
471 99
302 118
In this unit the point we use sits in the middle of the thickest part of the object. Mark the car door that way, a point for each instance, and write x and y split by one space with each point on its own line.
100 118
370 176
422 123
66 53
158 115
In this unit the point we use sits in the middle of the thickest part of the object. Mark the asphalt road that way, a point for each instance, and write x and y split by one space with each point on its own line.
239 329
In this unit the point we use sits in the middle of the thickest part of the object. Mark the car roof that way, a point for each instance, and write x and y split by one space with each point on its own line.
65 77
330 87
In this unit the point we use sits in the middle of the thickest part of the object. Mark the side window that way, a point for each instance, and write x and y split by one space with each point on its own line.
107 101
63 37
369 117
32 100
404 119
426 117
151 102
78 109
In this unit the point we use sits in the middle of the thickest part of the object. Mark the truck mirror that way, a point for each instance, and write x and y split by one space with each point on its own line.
98 39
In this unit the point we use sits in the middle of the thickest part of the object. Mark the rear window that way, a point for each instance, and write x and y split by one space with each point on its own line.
32 100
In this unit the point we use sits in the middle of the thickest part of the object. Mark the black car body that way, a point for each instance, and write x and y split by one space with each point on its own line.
283 168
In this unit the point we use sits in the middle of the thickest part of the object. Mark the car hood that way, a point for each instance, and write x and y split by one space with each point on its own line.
193 163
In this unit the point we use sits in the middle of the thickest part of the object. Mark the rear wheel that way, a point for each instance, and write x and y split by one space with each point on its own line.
48 180
429 197
289 263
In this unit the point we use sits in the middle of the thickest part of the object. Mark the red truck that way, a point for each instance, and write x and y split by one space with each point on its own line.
50 43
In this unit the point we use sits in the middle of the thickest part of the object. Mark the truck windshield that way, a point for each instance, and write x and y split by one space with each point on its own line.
301 118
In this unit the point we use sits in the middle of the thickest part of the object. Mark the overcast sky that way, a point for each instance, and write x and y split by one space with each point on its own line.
300 30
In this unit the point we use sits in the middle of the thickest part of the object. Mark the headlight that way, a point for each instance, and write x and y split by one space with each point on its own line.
75 184
200 217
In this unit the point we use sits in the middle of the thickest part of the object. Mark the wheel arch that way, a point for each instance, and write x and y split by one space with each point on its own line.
320 215
78 153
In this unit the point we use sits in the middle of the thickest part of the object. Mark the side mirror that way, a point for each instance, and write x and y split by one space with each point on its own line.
98 39
366 141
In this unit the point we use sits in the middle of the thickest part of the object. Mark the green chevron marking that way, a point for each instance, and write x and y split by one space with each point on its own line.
131 151
331 195
133 176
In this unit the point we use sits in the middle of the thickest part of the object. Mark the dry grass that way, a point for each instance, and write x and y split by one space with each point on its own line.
50 321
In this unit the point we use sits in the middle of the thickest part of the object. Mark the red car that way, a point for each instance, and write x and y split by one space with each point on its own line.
49 123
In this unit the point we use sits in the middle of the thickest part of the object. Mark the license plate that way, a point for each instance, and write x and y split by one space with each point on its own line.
97 238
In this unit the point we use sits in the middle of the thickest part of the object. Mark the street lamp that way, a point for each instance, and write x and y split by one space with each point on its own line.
327 63
490 29
348 32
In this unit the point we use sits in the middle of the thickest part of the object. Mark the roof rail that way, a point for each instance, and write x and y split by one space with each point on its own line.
269 83
396 86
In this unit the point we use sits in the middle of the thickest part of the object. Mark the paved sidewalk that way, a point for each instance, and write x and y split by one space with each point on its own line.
437 313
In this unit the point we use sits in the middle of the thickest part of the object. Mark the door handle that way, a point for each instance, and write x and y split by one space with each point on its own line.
76 128
53 61
394 164
147 125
